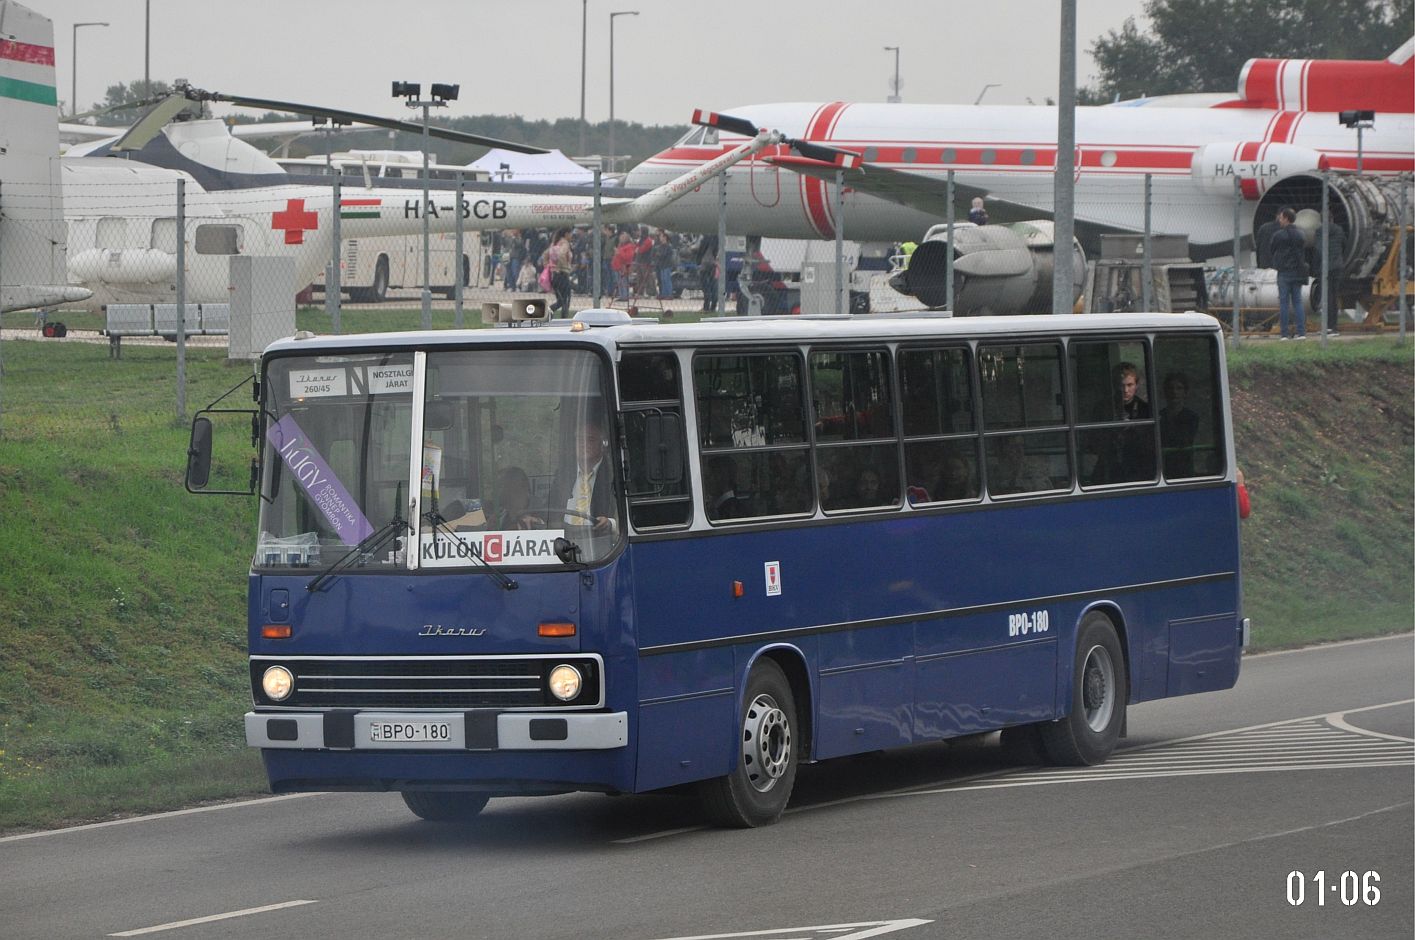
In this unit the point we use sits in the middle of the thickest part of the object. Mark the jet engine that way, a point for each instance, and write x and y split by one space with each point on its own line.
1366 207
997 269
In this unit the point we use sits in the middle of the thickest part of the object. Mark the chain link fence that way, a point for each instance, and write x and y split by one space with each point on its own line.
1161 242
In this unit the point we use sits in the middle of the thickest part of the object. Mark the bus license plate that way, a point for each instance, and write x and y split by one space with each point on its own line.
410 731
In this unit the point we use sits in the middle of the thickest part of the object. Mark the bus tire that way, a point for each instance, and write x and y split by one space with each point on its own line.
1098 691
757 790
445 806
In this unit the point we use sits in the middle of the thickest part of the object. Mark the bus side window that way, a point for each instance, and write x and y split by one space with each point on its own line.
1191 410
649 384
751 411
854 427
1114 411
940 434
1024 417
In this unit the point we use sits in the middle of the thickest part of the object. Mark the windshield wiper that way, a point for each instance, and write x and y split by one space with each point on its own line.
370 544
463 550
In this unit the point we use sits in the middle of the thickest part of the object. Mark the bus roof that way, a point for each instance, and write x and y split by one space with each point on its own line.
752 330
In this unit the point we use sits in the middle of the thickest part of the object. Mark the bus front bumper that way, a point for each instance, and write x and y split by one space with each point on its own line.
348 730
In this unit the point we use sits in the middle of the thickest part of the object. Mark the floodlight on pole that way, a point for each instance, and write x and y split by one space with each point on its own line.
1361 120
894 98
611 79
440 95
74 77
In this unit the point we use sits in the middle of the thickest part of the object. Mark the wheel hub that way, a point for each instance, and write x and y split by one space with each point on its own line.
766 743
1098 689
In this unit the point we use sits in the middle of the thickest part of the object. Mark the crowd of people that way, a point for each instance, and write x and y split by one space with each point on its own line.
635 262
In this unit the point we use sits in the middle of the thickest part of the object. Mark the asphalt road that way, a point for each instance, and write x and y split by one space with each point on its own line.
1191 830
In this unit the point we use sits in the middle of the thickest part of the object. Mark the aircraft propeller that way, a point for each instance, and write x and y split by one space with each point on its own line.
845 159
164 109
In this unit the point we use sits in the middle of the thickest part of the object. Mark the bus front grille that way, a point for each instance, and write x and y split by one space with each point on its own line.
437 683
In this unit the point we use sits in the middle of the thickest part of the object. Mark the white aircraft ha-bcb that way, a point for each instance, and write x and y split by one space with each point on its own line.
121 212
1274 137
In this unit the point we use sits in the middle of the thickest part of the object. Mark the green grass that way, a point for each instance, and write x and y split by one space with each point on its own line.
122 643
122 603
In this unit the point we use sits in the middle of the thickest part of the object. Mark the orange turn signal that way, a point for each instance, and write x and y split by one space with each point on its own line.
557 629
276 631
737 589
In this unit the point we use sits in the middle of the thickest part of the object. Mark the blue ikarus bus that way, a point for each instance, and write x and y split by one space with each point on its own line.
613 555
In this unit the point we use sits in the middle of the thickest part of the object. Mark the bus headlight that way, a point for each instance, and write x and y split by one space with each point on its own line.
565 682
277 683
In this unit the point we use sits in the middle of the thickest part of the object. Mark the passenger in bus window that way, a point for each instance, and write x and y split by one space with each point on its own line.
720 490
956 480
1129 406
867 489
1179 426
1010 470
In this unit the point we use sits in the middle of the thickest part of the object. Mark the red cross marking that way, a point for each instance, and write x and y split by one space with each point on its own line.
295 220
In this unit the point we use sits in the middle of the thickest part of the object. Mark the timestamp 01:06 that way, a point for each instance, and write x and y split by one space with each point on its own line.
1349 887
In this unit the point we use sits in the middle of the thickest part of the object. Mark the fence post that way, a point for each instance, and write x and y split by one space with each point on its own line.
840 242
181 300
948 258
722 241
597 241
460 266
333 282
1147 265
1237 263
1326 247
1404 306
2 324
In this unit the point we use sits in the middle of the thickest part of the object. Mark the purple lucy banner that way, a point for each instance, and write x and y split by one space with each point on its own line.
318 481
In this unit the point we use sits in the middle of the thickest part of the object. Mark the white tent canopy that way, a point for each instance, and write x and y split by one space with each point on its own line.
553 167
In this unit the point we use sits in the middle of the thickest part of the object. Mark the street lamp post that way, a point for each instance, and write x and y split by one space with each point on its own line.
894 98
611 80
584 19
74 77
979 100
441 95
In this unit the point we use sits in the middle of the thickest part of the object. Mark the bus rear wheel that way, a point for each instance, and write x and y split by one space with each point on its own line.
1098 690
436 806
757 790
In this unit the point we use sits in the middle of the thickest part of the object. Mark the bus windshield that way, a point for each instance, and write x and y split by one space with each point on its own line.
513 452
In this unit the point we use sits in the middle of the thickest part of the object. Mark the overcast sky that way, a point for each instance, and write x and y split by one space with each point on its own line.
523 56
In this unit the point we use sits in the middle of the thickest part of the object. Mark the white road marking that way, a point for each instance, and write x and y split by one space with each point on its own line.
137 819
872 928
206 920
1404 635
1316 742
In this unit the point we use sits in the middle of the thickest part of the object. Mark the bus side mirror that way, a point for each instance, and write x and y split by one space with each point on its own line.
222 453
663 448
199 455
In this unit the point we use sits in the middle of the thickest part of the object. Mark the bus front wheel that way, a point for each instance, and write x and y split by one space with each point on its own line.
436 806
1098 692
755 793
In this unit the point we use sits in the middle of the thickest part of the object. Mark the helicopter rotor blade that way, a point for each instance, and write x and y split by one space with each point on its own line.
151 123
726 122
353 117
845 159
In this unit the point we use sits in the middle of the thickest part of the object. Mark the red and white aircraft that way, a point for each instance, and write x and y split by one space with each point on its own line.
1274 136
